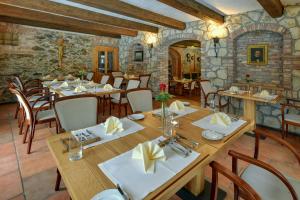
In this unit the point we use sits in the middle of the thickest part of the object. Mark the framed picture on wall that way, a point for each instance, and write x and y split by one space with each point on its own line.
139 56
258 54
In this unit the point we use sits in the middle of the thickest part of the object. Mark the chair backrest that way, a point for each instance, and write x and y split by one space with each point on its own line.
193 85
89 76
144 80
132 84
118 81
249 192
104 79
17 80
23 103
207 87
115 74
76 112
140 100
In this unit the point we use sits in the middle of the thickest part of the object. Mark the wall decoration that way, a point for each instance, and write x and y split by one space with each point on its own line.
139 56
258 54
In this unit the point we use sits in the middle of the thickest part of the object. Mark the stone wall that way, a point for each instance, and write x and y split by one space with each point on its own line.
221 70
37 53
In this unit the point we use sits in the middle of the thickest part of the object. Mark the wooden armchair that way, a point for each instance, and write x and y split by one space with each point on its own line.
288 118
267 181
210 92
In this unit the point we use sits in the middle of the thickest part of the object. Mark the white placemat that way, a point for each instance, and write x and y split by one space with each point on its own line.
204 123
89 90
269 98
98 130
186 111
129 173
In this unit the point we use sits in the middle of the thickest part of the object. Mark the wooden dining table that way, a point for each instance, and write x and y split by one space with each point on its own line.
250 103
180 84
83 179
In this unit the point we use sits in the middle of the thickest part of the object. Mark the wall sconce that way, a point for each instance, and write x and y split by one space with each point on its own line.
151 40
217 33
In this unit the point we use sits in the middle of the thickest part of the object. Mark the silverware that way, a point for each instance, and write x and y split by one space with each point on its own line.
178 150
122 192
194 143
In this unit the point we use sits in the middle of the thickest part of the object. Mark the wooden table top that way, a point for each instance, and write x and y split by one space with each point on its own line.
84 179
251 97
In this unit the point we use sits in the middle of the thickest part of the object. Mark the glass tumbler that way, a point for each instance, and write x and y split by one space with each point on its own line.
75 147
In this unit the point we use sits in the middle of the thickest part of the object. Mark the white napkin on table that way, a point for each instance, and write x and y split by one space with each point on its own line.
264 94
113 125
108 87
77 80
91 83
64 85
177 106
69 76
80 89
149 153
46 77
234 89
220 118
54 81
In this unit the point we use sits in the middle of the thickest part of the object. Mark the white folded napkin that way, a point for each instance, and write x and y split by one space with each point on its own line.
220 118
91 83
108 87
148 152
69 76
234 89
64 85
177 106
113 125
46 77
264 94
77 80
54 81
80 89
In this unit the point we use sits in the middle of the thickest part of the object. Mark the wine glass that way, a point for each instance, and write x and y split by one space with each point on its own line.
212 105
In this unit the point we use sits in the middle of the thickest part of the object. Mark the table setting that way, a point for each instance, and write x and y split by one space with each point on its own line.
264 94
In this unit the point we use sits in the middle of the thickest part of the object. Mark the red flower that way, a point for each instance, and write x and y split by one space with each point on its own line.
162 87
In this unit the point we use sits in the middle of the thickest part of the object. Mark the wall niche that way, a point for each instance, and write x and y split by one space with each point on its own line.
272 72
137 60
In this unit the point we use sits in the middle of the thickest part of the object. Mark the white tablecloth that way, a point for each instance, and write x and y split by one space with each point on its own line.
204 123
129 173
89 90
98 130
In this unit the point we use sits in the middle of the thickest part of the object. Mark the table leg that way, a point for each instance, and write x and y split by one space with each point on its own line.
250 112
196 185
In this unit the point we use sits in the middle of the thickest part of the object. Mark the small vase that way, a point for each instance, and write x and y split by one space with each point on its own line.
164 120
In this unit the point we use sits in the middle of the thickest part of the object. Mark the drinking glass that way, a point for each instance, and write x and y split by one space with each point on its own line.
212 105
75 147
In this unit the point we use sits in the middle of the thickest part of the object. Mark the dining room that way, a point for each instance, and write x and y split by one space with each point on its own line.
149 99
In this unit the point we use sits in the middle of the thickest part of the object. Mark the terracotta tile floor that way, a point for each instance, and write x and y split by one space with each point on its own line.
33 176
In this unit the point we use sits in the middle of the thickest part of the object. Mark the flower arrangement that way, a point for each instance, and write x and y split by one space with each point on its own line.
163 95
82 72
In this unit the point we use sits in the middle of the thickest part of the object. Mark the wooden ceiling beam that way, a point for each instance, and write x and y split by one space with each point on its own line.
66 10
196 9
65 23
126 9
273 7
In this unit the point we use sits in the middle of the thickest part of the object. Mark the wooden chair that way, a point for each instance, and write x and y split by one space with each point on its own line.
140 100
73 113
117 73
288 118
144 80
118 80
268 182
31 118
210 92
104 79
250 193
90 76
118 99
190 87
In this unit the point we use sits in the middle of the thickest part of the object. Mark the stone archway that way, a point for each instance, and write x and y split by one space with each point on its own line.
287 48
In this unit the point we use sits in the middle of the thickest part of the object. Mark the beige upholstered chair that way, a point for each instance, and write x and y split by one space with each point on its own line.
140 100
30 118
90 76
210 92
118 80
289 118
190 87
115 74
117 99
104 79
144 80
76 112
268 182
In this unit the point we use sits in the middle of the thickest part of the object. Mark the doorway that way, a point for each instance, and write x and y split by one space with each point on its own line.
185 60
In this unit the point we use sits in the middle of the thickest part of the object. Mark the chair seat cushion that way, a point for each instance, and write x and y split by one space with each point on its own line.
267 185
34 98
123 101
292 118
45 115
39 104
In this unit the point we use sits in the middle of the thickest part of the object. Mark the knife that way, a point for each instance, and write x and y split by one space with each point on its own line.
194 143
122 192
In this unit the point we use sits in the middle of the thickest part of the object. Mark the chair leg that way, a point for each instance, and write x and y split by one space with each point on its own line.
21 125
17 111
56 127
25 134
125 109
286 130
58 180
119 111
30 138
103 107
109 106
283 130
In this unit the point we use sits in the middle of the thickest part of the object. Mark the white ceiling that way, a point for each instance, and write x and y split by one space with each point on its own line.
225 7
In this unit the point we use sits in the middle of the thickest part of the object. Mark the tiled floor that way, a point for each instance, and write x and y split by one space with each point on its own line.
32 177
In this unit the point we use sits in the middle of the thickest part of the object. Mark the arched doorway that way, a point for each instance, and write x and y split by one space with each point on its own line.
184 60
